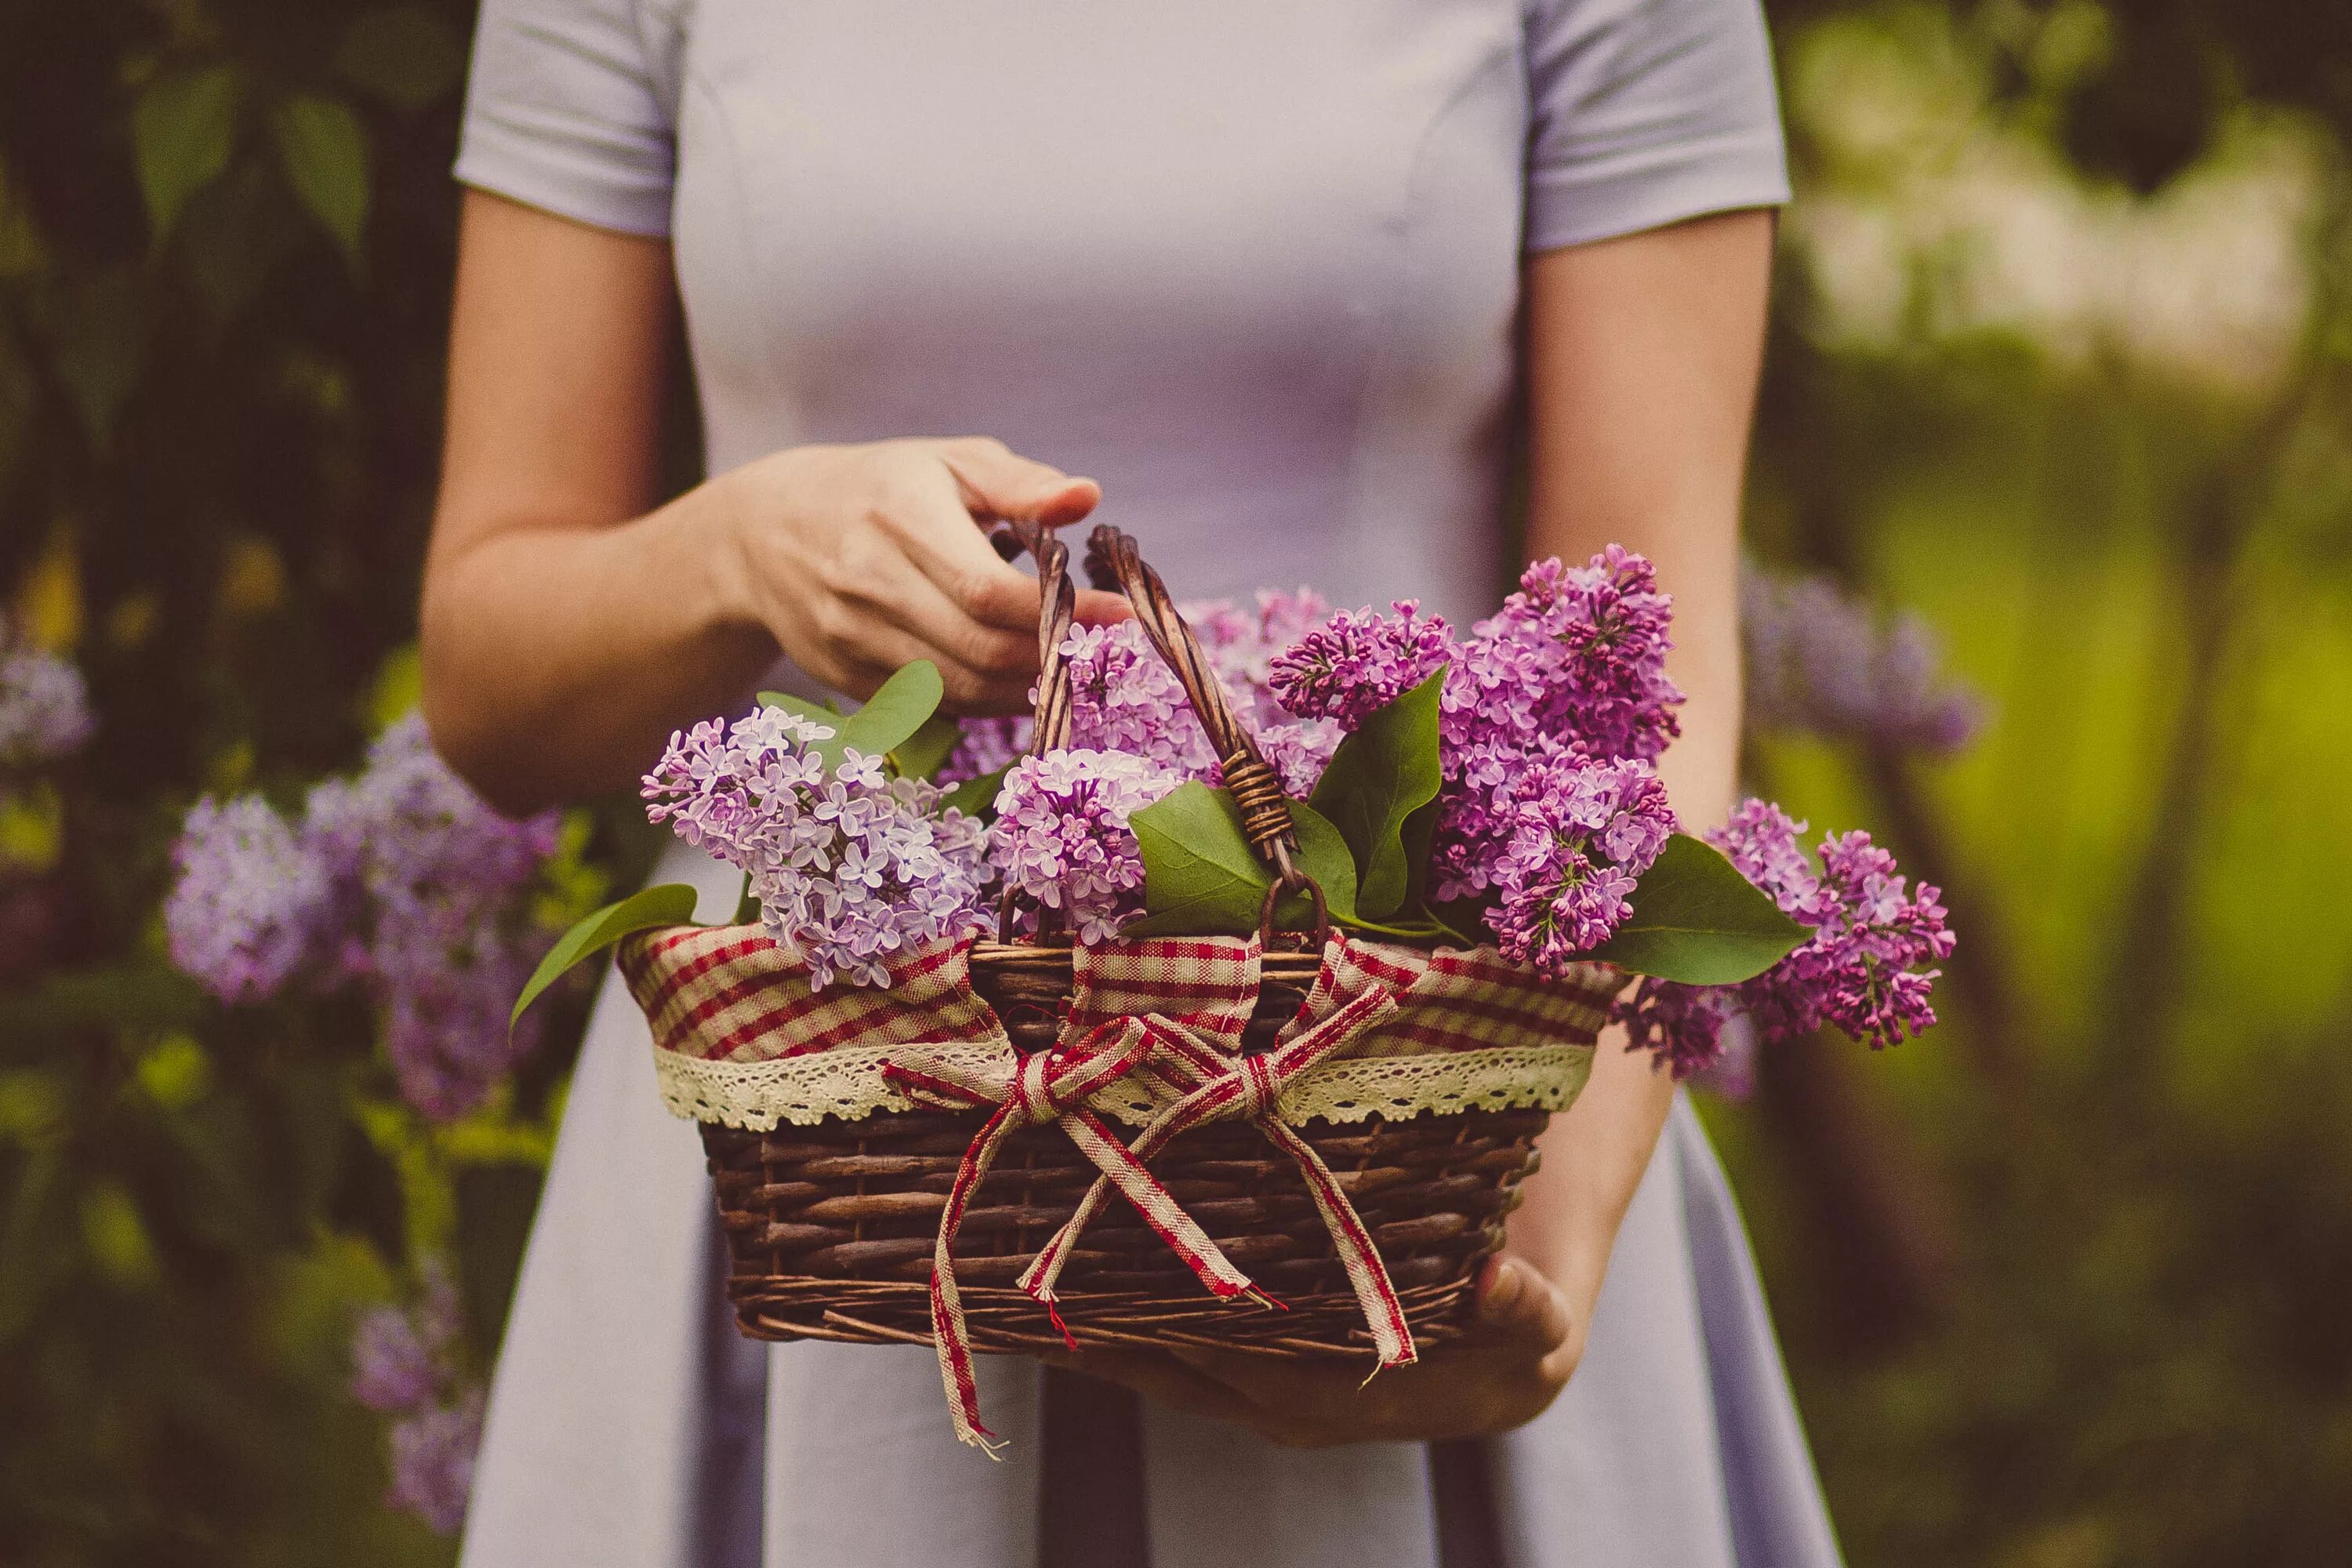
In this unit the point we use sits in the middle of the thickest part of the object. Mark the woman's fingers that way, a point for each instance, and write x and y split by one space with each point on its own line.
998 482
1518 1307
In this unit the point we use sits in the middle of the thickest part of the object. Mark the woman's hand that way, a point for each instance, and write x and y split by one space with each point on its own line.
1505 1373
860 559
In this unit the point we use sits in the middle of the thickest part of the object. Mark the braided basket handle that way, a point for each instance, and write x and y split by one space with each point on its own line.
1113 561
1115 565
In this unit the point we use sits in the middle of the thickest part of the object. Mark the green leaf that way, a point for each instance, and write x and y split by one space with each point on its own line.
923 753
324 149
405 56
1378 778
977 797
1200 877
182 131
670 904
1698 921
893 715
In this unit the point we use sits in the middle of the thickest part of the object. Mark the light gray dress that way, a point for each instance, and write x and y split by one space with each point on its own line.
1255 265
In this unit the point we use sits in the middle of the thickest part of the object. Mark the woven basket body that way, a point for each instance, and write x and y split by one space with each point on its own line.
831 1210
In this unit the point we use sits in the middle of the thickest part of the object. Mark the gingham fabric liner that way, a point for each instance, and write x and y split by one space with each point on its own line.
741 1039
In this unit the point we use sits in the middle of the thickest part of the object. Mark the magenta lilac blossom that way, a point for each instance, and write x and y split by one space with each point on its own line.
1865 970
1580 834
1358 662
1577 655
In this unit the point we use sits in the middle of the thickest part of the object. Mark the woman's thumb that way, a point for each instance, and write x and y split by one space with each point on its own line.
999 483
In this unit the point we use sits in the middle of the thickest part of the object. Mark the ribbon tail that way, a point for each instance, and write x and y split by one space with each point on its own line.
1044 1269
1367 1275
1166 1217
949 1332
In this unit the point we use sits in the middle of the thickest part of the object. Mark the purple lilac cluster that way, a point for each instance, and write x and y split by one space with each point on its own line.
1578 654
1551 713
1358 662
1583 832
1062 839
850 866
1241 645
1863 969
1820 662
45 714
402 879
404 1365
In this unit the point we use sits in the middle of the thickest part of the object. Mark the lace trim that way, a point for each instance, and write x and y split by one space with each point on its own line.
846 1083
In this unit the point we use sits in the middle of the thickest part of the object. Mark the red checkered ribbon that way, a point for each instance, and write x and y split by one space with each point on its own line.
1034 1090
1220 1087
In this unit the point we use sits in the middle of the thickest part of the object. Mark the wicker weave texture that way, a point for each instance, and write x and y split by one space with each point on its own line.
831 1229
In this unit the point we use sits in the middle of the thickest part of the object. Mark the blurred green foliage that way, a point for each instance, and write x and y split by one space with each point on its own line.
2062 1284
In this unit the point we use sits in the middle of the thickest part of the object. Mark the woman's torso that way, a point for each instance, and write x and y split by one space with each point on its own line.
1252 266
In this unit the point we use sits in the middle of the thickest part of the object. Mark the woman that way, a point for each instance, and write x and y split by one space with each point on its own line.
1272 271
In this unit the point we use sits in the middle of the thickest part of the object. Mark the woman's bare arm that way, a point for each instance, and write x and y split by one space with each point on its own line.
1642 362
1642 356
567 629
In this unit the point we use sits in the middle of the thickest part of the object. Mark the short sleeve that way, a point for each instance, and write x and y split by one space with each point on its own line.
572 107
1643 112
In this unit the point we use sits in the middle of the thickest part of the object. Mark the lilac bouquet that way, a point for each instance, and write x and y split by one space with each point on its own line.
1498 787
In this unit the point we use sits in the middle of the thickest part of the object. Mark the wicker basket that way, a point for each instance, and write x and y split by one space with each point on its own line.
833 1223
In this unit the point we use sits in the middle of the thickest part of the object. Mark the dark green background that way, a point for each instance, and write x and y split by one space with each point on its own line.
2063 1286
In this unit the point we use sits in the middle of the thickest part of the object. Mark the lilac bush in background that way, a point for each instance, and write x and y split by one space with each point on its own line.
403 881
45 713
1823 662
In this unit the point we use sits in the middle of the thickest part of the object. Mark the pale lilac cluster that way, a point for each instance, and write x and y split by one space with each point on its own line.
1863 969
1582 834
45 714
1821 663
405 1364
252 904
850 866
402 879
1062 839
1124 697
1358 662
433 1454
1300 751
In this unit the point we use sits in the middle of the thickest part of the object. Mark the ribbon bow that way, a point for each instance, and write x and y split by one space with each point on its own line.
1248 1089
1036 1090
1054 1086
